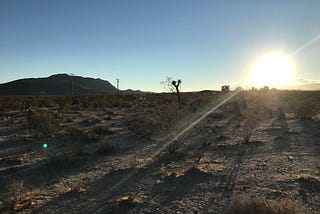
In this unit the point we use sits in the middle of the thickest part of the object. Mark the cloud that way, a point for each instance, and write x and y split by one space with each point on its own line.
306 81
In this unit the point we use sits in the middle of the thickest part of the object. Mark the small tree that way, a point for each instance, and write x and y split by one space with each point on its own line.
176 85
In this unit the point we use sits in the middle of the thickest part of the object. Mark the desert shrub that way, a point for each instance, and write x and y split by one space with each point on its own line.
79 135
116 101
173 147
31 102
248 129
198 101
2 111
280 114
92 121
256 206
128 202
111 101
304 104
14 192
84 101
74 131
106 149
217 115
161 98
44 121
77 187
8 103
146 127
63 160
305 111
80 151
101 101
46 101
202 99
65 102
103 130
233 107
151 124
92 137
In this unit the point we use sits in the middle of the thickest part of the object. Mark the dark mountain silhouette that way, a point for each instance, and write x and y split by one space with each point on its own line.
308 86
130 91
59 84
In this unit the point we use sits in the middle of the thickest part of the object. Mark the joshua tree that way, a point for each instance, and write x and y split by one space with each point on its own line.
167 84
176 85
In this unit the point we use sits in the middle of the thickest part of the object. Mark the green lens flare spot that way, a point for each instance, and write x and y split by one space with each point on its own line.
45 145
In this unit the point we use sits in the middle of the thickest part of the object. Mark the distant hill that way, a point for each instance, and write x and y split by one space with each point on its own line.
59 84
307 87
310 86
130 91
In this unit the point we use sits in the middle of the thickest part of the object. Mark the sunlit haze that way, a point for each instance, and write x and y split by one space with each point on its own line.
204 43
273 70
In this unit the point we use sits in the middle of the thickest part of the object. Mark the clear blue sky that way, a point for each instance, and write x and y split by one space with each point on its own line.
205 43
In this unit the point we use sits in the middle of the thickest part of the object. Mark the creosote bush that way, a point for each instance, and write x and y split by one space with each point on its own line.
44 121
151 124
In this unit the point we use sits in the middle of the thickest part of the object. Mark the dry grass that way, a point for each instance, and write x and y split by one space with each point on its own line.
101 101
258 206
157 115
77 187
15 190
128 202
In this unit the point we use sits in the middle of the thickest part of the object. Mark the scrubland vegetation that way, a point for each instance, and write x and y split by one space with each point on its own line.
262 144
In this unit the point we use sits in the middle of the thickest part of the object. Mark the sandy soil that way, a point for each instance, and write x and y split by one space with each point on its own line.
210 167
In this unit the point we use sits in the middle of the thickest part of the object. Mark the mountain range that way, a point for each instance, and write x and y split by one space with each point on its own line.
60 84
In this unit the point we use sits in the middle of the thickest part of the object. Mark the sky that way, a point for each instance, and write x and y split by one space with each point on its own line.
205 43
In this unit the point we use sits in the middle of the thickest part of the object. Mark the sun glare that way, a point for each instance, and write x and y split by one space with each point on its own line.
272 70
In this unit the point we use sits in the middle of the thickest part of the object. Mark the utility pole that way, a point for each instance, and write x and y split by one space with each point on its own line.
117 86
72 92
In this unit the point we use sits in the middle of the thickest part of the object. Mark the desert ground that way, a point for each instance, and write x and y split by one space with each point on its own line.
147 154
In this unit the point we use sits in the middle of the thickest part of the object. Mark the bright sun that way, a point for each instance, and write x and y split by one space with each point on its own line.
272 70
